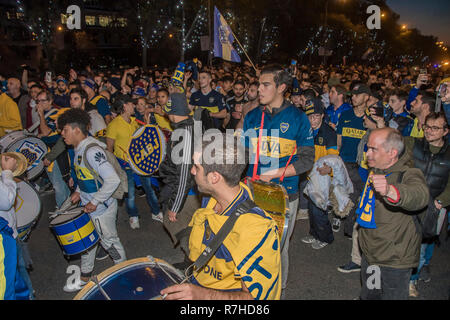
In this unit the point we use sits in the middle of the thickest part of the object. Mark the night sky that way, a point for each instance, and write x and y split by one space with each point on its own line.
431 17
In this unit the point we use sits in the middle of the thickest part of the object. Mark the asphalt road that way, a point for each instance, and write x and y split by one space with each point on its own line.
313 274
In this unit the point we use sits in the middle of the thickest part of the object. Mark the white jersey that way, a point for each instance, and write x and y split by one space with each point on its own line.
98 194
98 124
8 191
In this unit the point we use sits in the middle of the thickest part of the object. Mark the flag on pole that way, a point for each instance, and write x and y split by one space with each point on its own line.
223 39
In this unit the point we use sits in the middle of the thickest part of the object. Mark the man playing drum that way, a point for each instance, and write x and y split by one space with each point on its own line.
9 275
247 264
97 200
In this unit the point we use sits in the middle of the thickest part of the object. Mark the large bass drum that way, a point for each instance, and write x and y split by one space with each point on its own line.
33 148
136 279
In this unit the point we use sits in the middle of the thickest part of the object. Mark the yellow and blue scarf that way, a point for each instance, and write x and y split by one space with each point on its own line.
366 209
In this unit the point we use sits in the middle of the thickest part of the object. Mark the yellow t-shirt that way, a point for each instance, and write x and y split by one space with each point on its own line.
121 131
9 115
163 122
250 252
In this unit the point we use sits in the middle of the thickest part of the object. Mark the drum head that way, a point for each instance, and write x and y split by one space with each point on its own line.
63 218
32 148
147 150
136 279
27 204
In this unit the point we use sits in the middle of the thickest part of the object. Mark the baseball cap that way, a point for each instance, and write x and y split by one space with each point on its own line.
177 105
361 88
314 106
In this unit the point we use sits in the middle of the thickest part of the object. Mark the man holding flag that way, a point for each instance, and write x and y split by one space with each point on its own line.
389 235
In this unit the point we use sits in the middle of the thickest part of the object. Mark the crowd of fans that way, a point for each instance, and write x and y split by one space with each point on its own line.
344 105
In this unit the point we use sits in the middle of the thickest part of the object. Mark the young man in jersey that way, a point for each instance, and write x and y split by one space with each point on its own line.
338 104
350 130
97 100
208 99
246 266
325 143
97 200
288 136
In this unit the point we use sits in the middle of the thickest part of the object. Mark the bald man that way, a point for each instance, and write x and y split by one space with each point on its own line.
391 241
20 97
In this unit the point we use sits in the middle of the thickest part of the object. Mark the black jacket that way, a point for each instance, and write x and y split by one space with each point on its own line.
175 170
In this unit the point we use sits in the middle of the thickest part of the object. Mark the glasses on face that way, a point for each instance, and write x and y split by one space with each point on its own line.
41 100
432 128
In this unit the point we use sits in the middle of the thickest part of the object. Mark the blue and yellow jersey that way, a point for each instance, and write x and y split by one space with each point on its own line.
85 179
250 252
284 129
213 102
412 129
352 129
325 141
332 116
101 104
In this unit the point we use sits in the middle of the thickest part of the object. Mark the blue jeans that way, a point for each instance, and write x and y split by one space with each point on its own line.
130 202
22 268
426 252
319 224
62 191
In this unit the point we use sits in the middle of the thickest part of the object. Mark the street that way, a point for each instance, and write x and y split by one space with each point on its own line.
313 274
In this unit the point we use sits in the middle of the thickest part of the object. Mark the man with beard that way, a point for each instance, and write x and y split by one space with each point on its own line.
61 94
235 105
253 102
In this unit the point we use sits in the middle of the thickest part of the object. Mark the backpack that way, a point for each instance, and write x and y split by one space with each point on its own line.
122 189
427 221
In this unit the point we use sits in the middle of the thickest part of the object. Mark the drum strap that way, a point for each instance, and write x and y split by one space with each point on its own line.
226 228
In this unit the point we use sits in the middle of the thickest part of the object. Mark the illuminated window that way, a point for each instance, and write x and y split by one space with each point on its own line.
122 22
64 18
104 21
90 20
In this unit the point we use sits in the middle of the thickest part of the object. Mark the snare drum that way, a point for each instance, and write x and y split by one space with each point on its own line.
27 207
34 150
136 279
75 232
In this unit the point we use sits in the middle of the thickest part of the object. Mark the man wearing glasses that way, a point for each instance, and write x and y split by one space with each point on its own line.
59 170
432 156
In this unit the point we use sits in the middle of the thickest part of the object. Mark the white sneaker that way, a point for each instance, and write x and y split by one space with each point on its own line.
134 222
318 244
74 287
308 239
302 214
158 217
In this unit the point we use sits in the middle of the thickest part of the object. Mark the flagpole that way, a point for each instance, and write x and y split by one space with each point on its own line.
243 49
